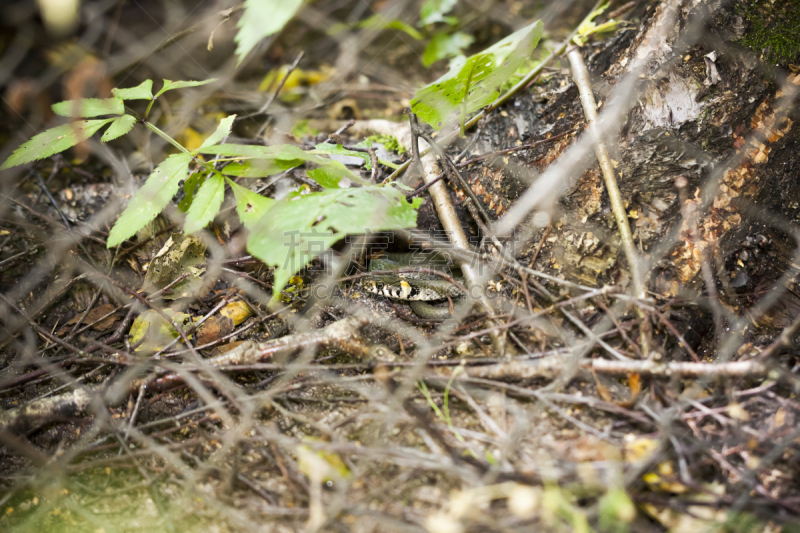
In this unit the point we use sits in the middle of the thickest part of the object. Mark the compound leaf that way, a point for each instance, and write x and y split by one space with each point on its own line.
151 199
53 141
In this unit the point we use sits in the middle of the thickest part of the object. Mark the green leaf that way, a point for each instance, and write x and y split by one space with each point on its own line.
206 204
118 128
435 10
443 46
283 152
53 141
333 176
221 132
299 228
260 19
89 107
266 160
170 85
589 27
250 206
476 81
259 168
338 149
143 91
151 199
378 22
190 187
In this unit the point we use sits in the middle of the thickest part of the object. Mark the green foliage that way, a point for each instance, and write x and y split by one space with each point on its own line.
206 204
60 138
389 141
616 511
262 161
249 205
434 11
121 126
338 149
260 19
89 107
151 199
222 131
557 504
143 91
303 129
260 168
53 141
172 85
476 81
328 215
588 27
299 228
378 22
190 187
443 46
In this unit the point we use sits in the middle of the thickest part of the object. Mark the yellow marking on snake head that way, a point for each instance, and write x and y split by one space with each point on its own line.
406 288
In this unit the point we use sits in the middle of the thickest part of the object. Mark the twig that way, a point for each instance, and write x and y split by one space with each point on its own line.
580 75
266 105
335 137
455 232
552 366
342 335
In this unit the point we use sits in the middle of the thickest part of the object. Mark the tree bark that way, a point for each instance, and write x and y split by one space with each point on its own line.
704 139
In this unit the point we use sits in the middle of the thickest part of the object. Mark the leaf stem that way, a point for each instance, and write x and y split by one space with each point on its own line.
208 166
155 129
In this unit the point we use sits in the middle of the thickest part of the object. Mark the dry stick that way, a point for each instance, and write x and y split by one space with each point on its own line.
455 232
581 77
521 84
785 340
552 366
275 95
336 135
449 168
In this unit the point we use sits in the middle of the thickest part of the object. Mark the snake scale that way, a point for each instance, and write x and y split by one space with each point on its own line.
417 288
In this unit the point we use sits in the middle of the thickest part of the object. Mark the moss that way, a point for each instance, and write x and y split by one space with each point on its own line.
773 29
390 142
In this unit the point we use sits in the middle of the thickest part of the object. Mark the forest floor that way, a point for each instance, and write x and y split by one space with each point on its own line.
349 412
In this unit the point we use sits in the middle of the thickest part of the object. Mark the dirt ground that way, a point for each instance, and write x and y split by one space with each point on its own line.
576 406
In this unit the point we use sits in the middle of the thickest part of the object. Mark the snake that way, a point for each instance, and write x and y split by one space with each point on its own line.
417 288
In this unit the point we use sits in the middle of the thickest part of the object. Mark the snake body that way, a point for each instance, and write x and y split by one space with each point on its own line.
417 288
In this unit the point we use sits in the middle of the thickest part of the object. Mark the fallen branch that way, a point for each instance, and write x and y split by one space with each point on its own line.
342 335
552 366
